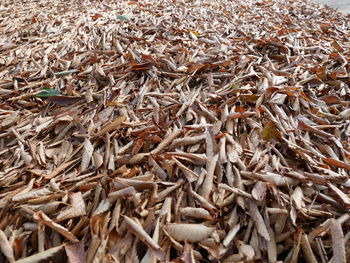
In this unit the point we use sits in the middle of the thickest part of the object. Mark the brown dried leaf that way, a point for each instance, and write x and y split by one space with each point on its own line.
75 252
77 207
36 258
142 235
270 132
258 220
88 149
44 219
259 191
111 126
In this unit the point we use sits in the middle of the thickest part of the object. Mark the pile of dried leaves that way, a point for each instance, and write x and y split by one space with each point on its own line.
174 130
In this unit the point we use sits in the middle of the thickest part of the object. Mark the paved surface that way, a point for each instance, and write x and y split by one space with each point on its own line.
341 5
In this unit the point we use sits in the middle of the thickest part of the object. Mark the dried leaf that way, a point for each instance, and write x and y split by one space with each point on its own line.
258 220
77 208
36 258
121 17
123 193
127 123
337 163
88 149
46 93
75 252
142 235
259 191
189 232
339 255
143 66
64 100
270 132
111 126
6 248
44 219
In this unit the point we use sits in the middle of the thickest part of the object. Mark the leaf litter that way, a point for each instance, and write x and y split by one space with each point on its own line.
174 131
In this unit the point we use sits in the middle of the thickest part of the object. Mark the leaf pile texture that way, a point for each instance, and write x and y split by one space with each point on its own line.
174 131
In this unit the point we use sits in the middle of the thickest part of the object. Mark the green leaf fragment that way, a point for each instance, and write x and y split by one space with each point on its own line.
46 93
235 86
122 17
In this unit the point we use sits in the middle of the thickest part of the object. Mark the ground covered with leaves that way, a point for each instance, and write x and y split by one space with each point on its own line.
174 131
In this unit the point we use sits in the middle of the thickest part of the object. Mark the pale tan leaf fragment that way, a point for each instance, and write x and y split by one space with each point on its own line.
61 168
195 158
205 203
41 217
271 246
166 192
297 197
188 255
121 194
210 142
10 120
255 242
222 151
6 248
196 213
31 195
102 207
339 253
190 175
41 237
272 178
93 247
258 220
157 169
187 141
77 207
98 159
345 114
88 149
189 232
344 198
121 183
169 139
307 250
111 126
246 250
36 258
235 190
259 191
131 159
150 257
142 235
207 186
231 234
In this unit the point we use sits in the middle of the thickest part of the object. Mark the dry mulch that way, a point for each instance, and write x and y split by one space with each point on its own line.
177 131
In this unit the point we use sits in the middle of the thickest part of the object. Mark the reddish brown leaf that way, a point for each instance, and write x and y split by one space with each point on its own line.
337 163
143 66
